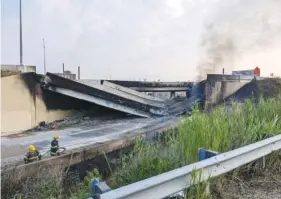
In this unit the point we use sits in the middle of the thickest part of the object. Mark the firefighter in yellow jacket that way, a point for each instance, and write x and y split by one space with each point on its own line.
32 155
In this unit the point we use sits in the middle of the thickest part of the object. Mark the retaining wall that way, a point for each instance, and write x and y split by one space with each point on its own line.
219 87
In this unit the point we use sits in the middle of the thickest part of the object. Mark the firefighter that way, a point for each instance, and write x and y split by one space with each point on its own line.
32 154
55 146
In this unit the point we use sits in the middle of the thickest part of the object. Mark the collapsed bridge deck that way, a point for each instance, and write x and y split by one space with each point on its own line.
106 96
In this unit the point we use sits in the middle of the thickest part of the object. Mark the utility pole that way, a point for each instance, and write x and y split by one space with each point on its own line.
44 57
21 61
78 72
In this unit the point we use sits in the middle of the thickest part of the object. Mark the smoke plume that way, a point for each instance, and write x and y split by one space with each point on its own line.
242 35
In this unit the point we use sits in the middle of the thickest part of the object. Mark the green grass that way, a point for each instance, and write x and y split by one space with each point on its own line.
221 130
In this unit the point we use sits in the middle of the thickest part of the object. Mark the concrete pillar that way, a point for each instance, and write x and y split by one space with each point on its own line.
172 94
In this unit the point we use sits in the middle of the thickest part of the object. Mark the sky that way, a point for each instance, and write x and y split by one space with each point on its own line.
170 40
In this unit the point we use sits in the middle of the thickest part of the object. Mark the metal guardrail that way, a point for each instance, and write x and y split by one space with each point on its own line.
174 181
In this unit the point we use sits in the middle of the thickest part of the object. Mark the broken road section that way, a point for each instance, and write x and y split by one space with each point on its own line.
104 96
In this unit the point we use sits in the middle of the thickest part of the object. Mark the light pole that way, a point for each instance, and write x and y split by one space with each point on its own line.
21 62
44 56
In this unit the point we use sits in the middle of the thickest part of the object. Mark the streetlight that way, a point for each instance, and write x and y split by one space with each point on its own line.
21 62
44 56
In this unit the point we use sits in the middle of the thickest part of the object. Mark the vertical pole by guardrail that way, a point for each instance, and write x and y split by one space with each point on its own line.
204 154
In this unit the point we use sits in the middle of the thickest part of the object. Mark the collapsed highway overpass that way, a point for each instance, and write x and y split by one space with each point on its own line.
50 97
106 96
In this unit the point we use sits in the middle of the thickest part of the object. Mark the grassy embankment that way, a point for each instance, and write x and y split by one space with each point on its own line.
220 130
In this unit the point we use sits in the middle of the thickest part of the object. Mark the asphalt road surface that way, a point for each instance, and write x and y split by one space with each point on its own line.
14 147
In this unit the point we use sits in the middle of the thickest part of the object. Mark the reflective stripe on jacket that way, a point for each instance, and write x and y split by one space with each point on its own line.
32 156
54 146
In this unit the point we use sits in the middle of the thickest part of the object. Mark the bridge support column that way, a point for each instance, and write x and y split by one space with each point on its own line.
172 94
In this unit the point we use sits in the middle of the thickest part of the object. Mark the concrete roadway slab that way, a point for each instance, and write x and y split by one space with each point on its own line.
14 147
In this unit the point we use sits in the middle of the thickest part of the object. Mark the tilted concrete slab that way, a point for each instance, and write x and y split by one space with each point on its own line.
124 91
132 91
105 96
99 101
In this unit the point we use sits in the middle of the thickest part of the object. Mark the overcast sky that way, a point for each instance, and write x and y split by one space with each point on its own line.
170 40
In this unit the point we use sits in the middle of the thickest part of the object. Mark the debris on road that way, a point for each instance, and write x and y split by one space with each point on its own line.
60 124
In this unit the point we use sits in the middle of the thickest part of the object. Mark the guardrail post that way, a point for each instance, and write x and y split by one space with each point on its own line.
204 154
263 162
93 184
97 187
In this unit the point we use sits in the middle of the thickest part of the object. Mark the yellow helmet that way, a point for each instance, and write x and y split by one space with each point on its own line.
31 147
56 137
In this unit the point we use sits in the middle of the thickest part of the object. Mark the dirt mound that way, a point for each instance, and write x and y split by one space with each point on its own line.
268 87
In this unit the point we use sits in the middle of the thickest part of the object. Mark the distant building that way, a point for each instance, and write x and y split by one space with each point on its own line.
67 74
18 68
253 72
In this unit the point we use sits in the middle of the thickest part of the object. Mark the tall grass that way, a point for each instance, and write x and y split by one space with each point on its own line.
220 130
223 130
51 182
